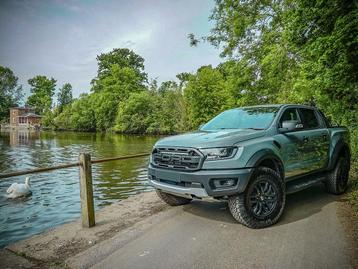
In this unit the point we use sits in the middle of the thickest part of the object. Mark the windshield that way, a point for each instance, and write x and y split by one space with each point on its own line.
257 118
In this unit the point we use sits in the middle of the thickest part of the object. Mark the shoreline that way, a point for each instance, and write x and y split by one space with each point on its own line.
53 247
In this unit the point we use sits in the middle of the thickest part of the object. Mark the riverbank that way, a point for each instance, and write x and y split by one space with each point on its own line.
146 229
52 248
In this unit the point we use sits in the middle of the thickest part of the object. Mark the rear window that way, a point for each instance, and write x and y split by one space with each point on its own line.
326 120
309 118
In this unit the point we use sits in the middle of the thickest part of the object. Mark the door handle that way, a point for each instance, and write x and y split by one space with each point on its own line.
305 139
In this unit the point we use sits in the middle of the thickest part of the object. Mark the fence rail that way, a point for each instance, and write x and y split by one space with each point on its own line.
67 165
86 188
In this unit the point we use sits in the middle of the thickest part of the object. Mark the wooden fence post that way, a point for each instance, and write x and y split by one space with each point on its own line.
86 191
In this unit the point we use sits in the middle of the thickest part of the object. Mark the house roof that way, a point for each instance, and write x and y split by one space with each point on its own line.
30 115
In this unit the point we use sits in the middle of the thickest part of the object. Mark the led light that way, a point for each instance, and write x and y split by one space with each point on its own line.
212 154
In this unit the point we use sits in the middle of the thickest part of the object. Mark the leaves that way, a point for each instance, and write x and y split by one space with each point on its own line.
42 89
64 96
10 92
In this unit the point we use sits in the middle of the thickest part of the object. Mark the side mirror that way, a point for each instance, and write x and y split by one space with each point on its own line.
290 126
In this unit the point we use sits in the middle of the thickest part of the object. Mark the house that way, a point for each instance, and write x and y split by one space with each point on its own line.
24 117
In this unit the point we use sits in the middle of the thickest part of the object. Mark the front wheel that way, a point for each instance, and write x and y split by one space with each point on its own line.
171 199
263 201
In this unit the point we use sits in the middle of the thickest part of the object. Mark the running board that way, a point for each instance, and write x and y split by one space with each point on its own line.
303 183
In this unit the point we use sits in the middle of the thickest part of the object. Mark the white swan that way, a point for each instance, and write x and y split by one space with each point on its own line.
19 190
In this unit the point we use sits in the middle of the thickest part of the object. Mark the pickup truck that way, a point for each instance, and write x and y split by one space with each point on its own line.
252 157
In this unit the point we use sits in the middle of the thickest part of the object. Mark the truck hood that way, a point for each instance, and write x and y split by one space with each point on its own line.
209 139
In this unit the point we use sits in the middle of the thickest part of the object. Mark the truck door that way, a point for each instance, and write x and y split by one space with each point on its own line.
293 145
317 134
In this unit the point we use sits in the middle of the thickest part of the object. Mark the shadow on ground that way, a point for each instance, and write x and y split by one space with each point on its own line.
299 206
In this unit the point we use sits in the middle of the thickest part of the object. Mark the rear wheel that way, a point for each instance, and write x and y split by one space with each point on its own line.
263 201
337 179
171 199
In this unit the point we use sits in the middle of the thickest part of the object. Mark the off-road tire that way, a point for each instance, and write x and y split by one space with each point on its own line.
239 204
337 179
171 199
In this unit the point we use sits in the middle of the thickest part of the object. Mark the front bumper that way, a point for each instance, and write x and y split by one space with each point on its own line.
197 183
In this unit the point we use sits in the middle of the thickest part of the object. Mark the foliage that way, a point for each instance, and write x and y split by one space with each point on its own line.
122 58
82 114
42 89
120 81
64 96
135 115
105 109
205 96
10 92
151 112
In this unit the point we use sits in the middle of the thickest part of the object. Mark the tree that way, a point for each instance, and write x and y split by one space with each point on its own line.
122 58
10 92
105 106
168 86
121 81
82 114
42 89
205 96
64 96
325 39
136 114
183 79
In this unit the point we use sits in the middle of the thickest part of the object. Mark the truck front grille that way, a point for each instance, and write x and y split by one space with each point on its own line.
177 158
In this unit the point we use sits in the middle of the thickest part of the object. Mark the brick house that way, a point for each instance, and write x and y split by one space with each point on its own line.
24 117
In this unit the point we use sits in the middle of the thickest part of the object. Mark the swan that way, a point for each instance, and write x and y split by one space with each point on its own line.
19 190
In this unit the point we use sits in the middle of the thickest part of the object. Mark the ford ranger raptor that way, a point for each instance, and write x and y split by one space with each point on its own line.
252 157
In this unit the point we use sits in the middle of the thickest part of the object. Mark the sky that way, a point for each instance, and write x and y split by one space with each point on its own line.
61 38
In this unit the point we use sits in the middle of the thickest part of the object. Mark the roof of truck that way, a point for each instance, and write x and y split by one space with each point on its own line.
280 105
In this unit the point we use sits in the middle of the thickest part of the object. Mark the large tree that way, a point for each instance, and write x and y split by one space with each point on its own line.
324 35
205 95
64 96
42 89
10 92
121 58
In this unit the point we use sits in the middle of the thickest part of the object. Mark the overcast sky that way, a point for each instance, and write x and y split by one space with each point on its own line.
61 38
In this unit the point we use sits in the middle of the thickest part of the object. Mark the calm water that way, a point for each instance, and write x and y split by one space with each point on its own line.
55 198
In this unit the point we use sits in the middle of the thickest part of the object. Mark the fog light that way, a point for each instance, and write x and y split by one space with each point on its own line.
224 182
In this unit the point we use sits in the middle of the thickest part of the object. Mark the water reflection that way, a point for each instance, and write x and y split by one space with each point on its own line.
55 198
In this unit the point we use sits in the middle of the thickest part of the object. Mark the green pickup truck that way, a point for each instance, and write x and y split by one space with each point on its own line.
252 157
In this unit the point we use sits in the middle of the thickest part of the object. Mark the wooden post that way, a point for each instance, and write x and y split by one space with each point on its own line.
86 191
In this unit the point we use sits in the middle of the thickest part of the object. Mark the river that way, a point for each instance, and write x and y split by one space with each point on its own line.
55 195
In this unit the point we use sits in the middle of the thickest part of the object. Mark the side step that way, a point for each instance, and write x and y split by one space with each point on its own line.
303 183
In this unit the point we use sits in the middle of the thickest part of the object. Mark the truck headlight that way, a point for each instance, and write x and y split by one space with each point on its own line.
212 154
